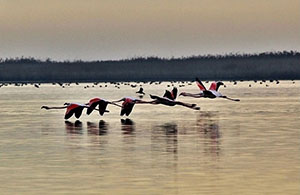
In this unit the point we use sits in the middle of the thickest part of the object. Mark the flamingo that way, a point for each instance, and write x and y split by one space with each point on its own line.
72 108
169 99
93 103
128 104
211 93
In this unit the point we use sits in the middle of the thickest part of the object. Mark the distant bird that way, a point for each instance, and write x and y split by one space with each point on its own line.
101 103
128 104
211 93
72 108
141 91
169 99
36 85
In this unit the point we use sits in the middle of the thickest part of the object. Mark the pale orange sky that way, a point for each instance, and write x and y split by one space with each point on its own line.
115 29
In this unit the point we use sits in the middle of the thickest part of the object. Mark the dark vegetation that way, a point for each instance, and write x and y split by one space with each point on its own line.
268 65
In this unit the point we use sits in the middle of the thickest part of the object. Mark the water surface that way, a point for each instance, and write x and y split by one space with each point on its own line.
247 147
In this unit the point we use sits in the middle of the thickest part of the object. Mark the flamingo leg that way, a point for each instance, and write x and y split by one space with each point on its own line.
145 102
192 106
197 95
113 103
228 98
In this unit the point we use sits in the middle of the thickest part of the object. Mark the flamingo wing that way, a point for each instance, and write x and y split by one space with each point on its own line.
200 85
70 110
213 86
174 93
168 94
129 109
69 114
102 107
127 106
126 109
93 103
171 95
78 111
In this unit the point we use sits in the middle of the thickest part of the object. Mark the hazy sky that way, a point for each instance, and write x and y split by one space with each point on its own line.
115 29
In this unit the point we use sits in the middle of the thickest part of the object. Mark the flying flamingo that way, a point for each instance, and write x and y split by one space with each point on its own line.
93 103
72 108
128 104
169 99
211 93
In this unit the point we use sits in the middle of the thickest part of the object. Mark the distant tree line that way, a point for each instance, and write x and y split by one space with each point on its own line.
267 65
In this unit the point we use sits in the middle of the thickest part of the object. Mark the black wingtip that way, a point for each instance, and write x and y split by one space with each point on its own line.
89 111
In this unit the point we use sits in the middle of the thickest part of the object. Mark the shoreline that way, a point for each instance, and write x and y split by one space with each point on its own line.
264 66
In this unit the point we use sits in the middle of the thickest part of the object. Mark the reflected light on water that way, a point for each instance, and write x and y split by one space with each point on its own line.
247 147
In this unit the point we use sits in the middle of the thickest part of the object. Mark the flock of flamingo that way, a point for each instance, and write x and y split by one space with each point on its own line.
168 99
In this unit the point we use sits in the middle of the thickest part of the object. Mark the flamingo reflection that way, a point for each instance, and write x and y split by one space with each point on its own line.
127 126
168 133
208 127
171 131
93 129
73 128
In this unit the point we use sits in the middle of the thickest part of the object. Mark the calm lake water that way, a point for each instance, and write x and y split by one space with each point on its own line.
246 147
